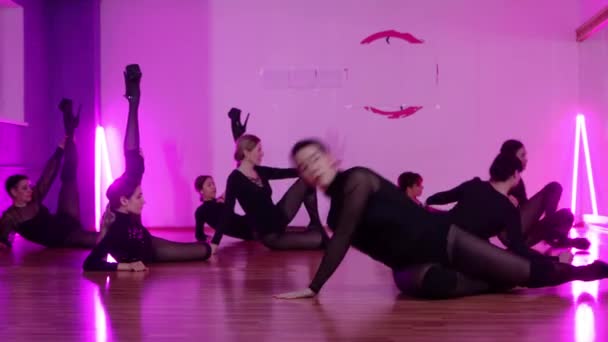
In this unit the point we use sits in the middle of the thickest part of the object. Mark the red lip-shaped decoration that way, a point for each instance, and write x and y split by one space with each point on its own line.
408 37
398 114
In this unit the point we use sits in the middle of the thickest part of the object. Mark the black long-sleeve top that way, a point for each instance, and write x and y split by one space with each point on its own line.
483 211
255 200
34 221
372 214
127 240
210 212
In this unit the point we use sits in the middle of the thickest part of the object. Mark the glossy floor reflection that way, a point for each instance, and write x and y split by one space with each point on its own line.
44 295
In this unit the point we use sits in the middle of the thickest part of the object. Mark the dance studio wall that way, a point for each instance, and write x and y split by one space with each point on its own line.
487 71
60 59
593 87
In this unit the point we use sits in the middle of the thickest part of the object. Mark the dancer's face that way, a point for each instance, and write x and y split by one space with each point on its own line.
22 192
255 155
135 203
209 191
316 167
415 190
522 154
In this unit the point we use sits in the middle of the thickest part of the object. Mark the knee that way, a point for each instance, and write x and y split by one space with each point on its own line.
565 217
554 188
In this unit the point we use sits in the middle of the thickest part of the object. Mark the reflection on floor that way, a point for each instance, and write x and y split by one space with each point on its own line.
44 295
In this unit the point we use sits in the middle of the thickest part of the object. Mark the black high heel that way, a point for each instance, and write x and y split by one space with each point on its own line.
238 128
132 76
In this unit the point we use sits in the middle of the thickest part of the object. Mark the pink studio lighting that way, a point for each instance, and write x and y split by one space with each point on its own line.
581 132
103 172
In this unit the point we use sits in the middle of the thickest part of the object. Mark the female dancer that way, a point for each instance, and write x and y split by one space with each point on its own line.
371 214
484 208
555 225
212 208
124 237
30 218
249 184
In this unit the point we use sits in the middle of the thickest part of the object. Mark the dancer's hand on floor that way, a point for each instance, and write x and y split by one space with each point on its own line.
137 266
305 293
213 249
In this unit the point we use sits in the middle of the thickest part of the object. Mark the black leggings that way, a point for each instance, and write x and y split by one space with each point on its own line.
476 266
314 237
169 251
68 206
554 225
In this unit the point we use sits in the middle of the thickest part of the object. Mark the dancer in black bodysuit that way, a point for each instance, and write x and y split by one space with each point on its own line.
124 236
371 214
555 224
30 218
484 209
249 184
211 210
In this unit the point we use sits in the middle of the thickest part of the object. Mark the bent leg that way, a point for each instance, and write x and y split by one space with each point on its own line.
481 260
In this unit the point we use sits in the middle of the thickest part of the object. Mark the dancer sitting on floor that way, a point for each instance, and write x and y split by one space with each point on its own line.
124 236
249 184
211 210
371 214
30 218
483 207
555 224
411 184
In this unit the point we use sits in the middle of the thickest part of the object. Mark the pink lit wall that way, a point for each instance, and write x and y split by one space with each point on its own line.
593 86
503 72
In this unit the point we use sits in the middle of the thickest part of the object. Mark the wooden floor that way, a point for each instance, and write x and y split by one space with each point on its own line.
44 296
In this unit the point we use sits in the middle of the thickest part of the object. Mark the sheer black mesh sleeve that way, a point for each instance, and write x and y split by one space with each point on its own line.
352 197
446 197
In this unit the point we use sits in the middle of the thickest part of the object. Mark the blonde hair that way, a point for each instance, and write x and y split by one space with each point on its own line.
107 219
246 142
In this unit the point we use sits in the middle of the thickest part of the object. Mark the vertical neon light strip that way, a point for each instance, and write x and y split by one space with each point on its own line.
102 168
577 146
581 130
588 164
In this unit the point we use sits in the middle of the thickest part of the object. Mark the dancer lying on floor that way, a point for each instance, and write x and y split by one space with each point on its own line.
371 214
555 224
124 236
30 218
211 210
249 184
